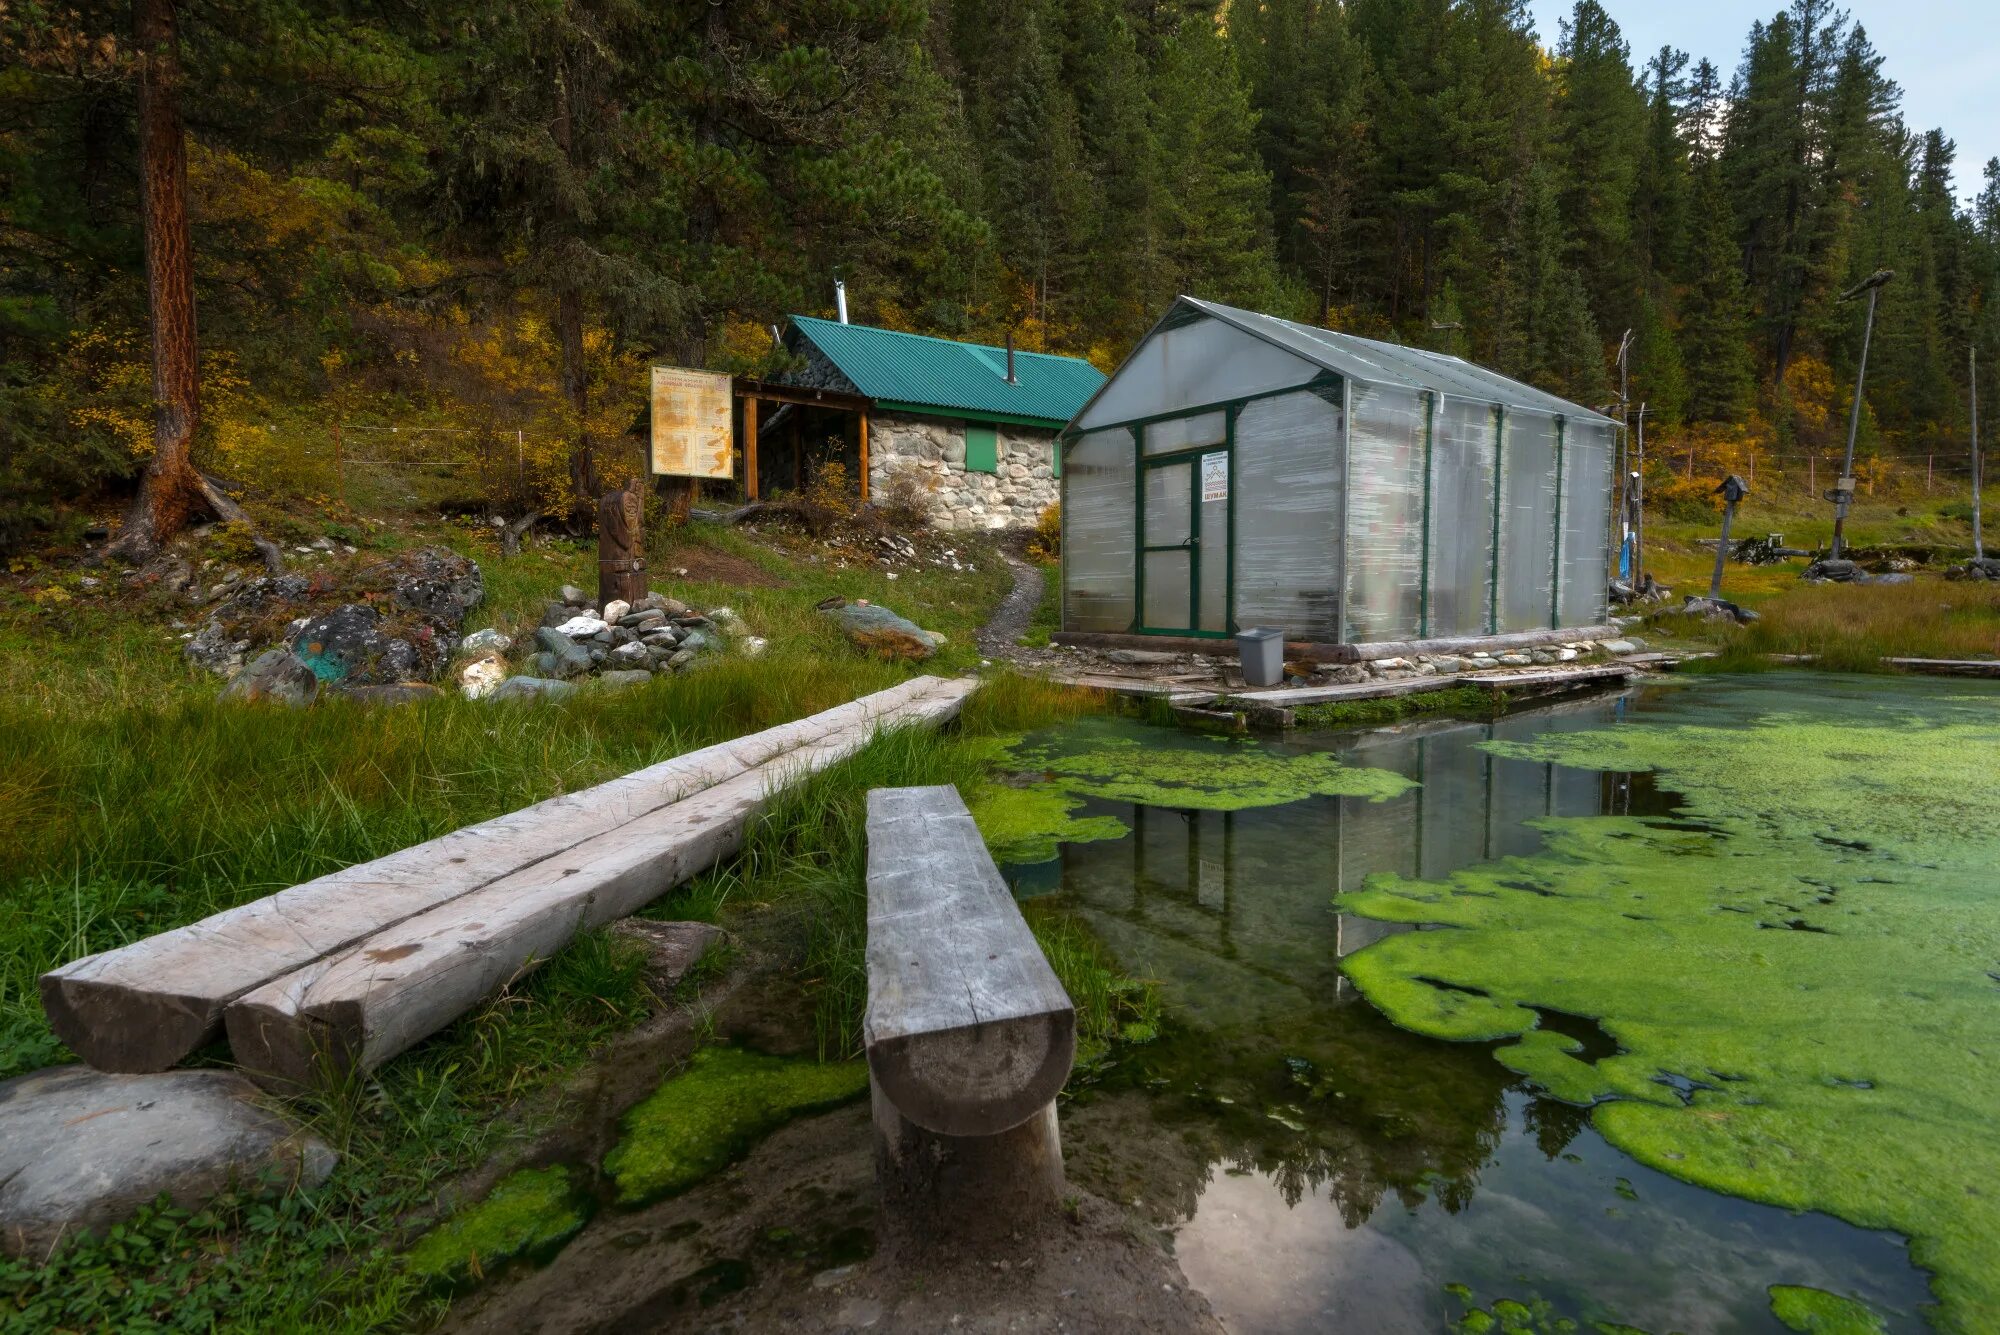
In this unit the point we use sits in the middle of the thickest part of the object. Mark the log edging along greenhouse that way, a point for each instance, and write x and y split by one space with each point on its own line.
1241 470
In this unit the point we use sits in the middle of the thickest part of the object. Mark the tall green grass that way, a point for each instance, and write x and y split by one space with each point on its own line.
120 823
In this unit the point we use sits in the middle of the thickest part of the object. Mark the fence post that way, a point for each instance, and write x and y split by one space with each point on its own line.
1812 475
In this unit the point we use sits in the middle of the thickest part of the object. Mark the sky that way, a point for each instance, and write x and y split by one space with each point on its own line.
1945 54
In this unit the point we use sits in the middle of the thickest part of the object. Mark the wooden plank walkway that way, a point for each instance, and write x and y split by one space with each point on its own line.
147 1005
1536 679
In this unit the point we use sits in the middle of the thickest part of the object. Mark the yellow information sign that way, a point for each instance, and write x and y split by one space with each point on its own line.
691 423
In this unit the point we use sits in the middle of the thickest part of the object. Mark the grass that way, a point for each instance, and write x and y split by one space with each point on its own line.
1047 619
329 1259
802 870
132 801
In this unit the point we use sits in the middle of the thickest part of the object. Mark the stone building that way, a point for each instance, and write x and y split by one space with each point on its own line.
964 431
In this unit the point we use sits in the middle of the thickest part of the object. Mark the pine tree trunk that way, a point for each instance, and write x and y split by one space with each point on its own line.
171 489
582 457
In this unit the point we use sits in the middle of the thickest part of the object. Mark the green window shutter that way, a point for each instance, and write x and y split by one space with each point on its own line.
982 449
1055 456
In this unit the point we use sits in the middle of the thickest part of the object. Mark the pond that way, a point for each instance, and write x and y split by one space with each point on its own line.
1739 921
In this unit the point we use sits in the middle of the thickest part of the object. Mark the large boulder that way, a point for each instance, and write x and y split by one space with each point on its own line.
434 582
83 1149
277 677
354 644
876 630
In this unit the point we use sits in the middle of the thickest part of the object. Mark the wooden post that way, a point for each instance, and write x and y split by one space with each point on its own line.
750 449
621 550
798 434
864 454
969 1035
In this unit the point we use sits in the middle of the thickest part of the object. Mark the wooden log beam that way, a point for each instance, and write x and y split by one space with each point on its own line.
864 453
969 1034
968 1031
145 1006
351 1011
750 450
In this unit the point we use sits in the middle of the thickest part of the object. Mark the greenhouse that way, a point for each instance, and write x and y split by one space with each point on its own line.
1241 470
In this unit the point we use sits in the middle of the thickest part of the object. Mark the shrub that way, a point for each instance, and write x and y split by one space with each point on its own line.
1045 543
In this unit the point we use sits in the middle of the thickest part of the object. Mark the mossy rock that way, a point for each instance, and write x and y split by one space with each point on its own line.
528 1216
711 1113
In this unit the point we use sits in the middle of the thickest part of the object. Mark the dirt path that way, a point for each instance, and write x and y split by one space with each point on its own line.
998 638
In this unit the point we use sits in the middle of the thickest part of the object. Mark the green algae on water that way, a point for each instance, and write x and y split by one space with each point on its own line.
1028 824
1816 1310
1802 977
529 1215
711 1113
1120 761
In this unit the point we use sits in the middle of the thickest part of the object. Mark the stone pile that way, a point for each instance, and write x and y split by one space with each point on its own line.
1979 567
620 644
381 631
1832 570
1180 666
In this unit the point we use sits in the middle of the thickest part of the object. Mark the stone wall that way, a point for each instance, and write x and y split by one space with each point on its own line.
927 456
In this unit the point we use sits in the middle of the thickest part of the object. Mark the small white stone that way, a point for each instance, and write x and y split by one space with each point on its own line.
753 646
616 608
479 678
582 628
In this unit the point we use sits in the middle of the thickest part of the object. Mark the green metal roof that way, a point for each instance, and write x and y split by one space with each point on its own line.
939 376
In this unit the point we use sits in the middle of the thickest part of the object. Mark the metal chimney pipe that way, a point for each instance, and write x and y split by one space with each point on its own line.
840 299
1010 358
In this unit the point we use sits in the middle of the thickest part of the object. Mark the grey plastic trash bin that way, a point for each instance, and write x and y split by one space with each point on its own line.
1263 652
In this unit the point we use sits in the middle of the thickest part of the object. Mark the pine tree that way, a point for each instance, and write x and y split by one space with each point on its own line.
1215 194
1715 320
1599 135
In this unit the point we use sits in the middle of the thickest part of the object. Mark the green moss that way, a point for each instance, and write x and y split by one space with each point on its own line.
529 1215
1801 978
1121 761
1825 1313
710 1114
1464 701
1025 825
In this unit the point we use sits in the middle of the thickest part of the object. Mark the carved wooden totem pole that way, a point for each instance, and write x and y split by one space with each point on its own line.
621 564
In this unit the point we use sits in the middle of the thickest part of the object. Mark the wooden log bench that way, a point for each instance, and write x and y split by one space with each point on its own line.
147 1005
969 1034
355 1009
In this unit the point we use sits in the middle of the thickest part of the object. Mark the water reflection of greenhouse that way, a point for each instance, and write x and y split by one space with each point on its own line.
1242 900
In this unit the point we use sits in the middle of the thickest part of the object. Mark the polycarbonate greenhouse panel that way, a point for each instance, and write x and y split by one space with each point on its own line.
1099 531
1464 440
1527 522
1182 433
1385 514
1586 539
1288 482
1193 366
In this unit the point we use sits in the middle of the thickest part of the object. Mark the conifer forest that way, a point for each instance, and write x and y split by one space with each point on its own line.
491 219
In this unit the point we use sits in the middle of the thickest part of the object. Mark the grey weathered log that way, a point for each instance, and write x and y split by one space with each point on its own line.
968 1031
145 1006
354 1010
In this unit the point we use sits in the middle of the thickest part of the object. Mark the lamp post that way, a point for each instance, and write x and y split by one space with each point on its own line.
1733 489
1843 489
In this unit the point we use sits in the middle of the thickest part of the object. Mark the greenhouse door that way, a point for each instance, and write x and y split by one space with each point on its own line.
1183 544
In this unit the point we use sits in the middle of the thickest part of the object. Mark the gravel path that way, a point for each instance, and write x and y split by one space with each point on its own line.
999 637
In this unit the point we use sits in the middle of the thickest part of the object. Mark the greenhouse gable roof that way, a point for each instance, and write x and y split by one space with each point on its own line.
946 378
1373 361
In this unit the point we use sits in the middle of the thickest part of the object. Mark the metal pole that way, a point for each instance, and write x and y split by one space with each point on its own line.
1844 488
1978 478
1639 508
1722 549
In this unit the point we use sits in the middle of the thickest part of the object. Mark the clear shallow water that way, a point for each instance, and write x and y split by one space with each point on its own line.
1329 1170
